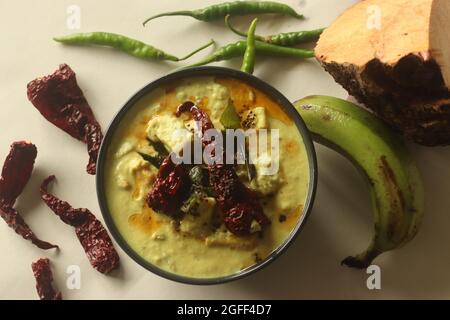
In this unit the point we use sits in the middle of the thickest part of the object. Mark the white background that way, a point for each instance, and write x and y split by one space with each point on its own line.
339 225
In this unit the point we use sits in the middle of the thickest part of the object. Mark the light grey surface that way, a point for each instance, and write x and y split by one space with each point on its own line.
340 223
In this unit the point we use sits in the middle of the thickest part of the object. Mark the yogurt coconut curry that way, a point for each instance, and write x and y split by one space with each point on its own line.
204 220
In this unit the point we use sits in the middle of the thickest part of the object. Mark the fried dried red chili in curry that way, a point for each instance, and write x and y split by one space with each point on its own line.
238 204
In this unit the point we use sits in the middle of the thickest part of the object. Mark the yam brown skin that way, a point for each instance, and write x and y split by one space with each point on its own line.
399 70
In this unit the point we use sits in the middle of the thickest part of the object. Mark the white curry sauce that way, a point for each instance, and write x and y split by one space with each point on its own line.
200 246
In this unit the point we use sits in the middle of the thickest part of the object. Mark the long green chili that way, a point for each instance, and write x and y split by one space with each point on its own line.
235 8
282 39
248 63
133 47
237 49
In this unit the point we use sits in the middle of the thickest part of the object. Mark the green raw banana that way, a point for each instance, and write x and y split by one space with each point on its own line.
394 180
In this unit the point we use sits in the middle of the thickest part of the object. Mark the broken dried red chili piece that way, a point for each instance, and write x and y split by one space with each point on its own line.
16 172
92 235
239 205
44 278
60 100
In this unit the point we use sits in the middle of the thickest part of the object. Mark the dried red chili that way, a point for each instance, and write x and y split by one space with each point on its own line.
239 205
60 100
172 184
16 172
170 188
92 235
44 278
200 116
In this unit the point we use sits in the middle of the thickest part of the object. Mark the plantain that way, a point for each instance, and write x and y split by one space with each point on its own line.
394 180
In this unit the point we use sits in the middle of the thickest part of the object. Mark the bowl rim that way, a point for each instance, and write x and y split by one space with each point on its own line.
194 72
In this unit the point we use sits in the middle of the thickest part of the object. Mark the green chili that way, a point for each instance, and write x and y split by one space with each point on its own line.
238 8
248 63
237 49
133 47
286 39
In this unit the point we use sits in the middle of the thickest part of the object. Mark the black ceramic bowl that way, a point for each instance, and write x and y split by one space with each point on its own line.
198 72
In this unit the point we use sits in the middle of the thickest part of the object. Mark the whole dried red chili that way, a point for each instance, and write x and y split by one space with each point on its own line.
92 235
172 184
16 172
239 205
170 188
60 100
44 278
